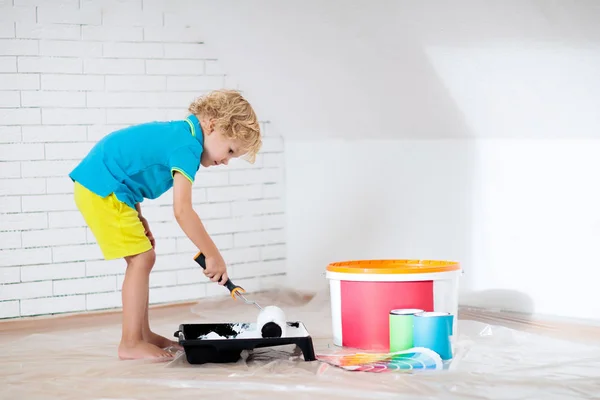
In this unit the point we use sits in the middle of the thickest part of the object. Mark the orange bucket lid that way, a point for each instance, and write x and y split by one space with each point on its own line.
393 266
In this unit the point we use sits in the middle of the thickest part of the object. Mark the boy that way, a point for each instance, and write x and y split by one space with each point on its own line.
144 161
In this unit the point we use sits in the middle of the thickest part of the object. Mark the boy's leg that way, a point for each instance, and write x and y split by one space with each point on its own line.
118 231
135 301
152 337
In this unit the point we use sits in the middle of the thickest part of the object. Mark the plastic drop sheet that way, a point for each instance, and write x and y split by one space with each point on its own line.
496 357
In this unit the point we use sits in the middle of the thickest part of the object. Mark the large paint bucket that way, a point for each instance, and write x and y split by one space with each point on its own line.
364 292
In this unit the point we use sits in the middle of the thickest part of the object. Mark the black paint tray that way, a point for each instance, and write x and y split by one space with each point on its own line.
204 350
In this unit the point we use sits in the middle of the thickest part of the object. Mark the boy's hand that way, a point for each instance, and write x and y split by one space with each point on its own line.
216 270
147 230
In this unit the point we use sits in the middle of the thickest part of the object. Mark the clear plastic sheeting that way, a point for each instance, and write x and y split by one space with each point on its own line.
497 356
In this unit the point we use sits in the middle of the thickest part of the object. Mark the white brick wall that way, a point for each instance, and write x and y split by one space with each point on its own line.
72 71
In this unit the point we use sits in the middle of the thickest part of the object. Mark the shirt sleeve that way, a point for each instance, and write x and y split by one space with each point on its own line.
186 161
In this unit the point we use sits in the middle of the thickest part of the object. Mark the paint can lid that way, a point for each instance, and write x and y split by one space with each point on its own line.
406 311
429 314
393 266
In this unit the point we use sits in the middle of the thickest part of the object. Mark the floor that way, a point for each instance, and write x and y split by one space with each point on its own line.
497 356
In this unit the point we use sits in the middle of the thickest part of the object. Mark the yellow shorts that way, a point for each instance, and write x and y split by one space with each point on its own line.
116 226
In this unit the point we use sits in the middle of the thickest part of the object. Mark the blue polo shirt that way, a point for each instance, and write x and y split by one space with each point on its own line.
139 161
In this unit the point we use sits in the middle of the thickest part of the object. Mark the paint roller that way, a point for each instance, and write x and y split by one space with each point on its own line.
271 320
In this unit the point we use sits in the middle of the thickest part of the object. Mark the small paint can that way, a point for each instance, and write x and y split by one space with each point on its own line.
401 328
432 330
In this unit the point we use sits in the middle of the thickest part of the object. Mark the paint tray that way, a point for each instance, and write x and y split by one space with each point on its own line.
200 347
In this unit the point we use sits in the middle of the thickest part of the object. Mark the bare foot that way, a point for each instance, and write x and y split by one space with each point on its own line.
139 350
161 341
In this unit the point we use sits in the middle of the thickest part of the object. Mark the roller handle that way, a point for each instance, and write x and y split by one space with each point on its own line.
200 258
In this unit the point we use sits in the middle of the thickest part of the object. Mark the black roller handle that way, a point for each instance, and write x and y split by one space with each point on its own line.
200 258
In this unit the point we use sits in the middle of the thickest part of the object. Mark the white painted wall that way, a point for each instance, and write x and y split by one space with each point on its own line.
434 106
73 71
521 216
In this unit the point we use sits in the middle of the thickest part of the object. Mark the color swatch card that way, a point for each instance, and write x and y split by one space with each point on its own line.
417 358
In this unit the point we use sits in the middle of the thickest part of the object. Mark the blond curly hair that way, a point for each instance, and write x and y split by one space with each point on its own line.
233 115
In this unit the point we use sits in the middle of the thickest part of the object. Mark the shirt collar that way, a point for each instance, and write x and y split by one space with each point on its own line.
195 127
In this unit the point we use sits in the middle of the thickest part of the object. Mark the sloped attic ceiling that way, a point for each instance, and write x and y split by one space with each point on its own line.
412 69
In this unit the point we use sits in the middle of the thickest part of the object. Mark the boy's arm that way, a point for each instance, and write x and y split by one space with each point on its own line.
192 226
